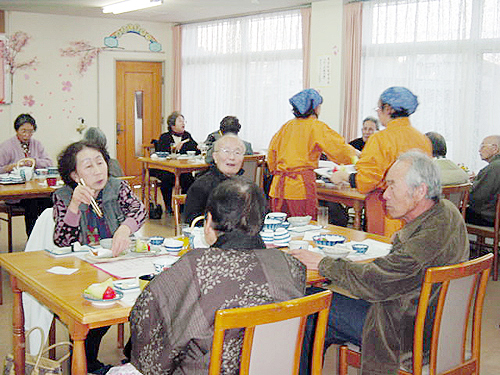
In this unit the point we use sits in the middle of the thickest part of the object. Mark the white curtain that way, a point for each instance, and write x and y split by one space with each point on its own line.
246 67
448 53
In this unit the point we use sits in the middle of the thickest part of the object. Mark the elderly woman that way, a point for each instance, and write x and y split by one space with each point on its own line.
176 311
176 140
228 156
97 136
370 126
83 167
294 152
395 105
21 146
228 125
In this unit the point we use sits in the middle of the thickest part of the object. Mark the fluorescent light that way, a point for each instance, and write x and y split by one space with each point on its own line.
130 5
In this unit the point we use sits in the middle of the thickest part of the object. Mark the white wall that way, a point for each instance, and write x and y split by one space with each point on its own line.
326 42
91 95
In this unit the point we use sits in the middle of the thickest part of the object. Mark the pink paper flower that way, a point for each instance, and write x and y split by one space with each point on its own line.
66 86
29 101
84 51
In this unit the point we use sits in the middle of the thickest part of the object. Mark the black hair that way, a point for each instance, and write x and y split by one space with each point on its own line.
397 113
438 144
23 119
311 111
171 119
237 204
230 124
66 161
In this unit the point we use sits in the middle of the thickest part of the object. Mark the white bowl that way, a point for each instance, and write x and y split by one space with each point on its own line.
337 251
299 221
281 216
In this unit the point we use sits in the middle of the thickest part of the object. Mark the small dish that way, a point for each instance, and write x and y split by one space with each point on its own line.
99 302
323 240
281 216
156 240
299 221
359 248
126 284
337 251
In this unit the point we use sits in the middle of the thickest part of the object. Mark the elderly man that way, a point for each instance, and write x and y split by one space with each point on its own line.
395 106
370 126
451 173
229 151
486 185
381 321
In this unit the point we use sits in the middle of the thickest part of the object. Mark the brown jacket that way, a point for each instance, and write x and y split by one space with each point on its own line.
392 283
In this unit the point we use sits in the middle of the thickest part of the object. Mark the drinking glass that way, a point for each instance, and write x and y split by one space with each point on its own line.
323 216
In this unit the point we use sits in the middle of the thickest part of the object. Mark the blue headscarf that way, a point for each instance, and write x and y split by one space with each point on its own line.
303 100
400 98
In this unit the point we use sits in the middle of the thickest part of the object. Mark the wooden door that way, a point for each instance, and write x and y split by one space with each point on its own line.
138 110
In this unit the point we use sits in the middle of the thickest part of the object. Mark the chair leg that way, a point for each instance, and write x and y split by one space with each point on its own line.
495 262
9 231
1 287
120 335
52 339
343 360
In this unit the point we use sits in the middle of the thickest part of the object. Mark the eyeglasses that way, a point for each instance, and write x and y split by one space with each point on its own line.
26 131
227 152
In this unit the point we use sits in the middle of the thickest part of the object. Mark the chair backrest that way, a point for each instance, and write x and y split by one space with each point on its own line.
273 335
461 296
458 194
42 235
253 167
177 201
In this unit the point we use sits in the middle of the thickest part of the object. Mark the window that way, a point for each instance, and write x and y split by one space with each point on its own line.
246 67
448 53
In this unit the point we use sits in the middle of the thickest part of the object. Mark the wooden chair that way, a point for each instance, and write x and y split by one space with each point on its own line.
11 210
253 165
483 232
461 297
273 335
177 201
458 194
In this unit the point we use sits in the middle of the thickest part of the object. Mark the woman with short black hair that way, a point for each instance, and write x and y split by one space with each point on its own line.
176 140
176 311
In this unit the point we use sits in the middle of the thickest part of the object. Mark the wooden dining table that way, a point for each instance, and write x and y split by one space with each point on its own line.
175 166
63 294
30 189
345 195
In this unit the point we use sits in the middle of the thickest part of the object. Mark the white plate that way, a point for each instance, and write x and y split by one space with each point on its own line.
126 284
104 302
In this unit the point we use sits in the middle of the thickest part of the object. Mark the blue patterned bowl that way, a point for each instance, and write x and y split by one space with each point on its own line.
328 240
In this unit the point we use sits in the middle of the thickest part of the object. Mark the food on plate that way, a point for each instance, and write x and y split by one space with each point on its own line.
109 293
97 290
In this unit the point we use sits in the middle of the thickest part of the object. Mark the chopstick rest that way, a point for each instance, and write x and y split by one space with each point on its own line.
93 203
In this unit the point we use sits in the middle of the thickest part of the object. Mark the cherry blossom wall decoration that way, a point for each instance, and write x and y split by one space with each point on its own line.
28 101
10 47
84 51
66 86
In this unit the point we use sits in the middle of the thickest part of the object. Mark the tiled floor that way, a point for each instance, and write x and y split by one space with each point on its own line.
109 353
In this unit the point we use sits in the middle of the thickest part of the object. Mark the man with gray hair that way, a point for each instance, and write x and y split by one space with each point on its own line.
229 152
486 185
382 319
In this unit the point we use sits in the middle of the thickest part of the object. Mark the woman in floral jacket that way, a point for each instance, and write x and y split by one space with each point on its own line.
172 321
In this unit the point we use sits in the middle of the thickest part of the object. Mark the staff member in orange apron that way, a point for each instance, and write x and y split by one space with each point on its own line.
394 107
294 152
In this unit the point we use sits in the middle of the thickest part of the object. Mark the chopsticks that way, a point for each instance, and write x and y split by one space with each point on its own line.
93 203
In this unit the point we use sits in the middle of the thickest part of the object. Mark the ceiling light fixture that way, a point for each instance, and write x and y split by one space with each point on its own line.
130 5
